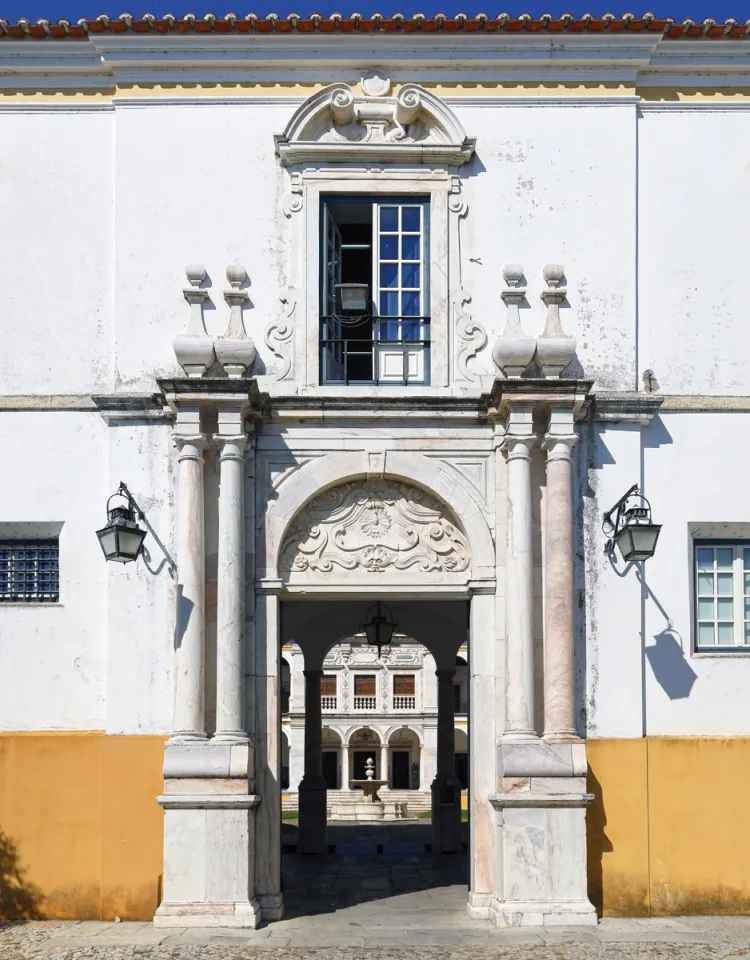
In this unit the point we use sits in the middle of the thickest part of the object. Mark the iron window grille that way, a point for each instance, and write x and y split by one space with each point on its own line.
29 571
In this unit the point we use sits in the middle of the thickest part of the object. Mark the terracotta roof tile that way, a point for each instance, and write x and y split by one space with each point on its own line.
398 23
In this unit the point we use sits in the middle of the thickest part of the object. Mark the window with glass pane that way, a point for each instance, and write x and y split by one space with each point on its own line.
29 571
383 244
722 595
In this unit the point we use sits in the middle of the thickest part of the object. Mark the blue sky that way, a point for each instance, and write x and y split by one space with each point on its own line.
74 9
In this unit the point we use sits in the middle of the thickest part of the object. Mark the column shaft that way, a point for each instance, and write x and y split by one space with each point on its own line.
313 725
383 773
345 767
559 682
519 592
230 606
446 737
189 700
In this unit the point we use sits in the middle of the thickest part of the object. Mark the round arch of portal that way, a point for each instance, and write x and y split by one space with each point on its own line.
438 478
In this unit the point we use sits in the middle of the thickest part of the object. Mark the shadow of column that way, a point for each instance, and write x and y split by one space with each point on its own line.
597 843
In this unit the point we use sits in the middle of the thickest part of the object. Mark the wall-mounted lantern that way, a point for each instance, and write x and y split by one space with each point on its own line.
352 298
628 525
122 539
379 626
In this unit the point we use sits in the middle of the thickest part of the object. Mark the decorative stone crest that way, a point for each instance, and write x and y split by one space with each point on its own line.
554 349
194 348
371 527
337 124
235 351
513 350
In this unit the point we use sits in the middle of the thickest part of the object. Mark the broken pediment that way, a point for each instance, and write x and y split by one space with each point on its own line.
341 124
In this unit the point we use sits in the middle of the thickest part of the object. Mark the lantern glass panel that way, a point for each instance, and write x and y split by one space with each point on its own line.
108 541
130 542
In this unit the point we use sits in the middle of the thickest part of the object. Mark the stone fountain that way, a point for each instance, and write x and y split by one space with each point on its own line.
370 807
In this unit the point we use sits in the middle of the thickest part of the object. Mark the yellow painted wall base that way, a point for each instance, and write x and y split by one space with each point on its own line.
81 832
667 834
80 829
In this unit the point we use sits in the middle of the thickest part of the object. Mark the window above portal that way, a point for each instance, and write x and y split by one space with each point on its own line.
374 290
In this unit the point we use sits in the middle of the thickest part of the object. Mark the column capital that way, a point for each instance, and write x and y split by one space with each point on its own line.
518 447
559 446
190 446
231 447
311 674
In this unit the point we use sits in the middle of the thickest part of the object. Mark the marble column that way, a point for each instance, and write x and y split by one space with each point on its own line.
559 681
345 767
383 773
189 690
230 605
312 789
517 444
446 790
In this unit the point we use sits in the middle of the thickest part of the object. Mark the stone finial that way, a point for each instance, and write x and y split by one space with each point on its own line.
554 349
369 768
194 348
513 350
235 351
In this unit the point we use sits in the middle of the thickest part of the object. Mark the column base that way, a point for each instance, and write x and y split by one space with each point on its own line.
313 816
236 913
478 906
542 913
271 906
446 815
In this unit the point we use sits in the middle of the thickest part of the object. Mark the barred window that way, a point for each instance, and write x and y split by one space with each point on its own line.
29 571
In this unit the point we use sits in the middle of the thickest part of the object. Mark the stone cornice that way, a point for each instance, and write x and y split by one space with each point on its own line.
615 407
214 392
105 57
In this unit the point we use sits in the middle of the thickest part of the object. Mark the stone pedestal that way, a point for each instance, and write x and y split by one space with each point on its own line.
542 854
209 837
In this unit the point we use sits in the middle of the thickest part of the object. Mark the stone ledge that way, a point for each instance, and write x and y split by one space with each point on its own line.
501 800
226 801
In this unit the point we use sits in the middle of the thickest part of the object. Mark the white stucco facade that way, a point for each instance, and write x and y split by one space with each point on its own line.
582 185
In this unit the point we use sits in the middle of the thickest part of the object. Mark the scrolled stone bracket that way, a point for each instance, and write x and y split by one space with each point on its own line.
278 336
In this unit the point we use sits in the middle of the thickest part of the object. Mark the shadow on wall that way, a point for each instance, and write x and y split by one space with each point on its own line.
19 900
672 671
597 843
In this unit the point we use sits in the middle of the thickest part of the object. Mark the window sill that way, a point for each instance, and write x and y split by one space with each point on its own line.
41 605
721 652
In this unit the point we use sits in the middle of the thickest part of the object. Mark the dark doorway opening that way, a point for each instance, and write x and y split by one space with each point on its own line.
330 769
400 770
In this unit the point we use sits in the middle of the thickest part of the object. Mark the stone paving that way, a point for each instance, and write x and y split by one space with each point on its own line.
391 905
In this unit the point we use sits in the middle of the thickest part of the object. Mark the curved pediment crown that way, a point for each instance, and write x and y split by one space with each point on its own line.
374 529
339 123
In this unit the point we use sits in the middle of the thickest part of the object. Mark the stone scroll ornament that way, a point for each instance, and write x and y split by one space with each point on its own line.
374 527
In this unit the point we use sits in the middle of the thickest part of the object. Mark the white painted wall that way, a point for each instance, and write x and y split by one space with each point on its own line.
556 184
693 472
56 211
53 658
692 249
